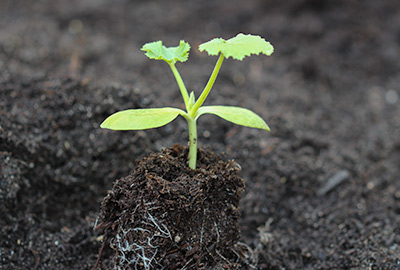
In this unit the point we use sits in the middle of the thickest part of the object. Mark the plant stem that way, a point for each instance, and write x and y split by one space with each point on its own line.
208 87
192 142
181 85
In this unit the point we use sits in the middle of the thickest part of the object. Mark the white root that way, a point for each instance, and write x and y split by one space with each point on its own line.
141 253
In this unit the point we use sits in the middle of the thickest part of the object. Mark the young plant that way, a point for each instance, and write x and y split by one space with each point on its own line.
237 47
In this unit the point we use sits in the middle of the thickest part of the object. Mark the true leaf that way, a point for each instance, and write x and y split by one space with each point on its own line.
192 100
236 115
156 50
138 119
238 47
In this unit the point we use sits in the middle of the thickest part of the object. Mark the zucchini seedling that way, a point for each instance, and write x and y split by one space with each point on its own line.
237 47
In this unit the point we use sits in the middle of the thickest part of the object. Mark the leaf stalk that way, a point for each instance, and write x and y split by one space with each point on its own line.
181 85
208 87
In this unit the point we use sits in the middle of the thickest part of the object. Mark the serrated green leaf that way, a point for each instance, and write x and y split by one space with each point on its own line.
138 119
156 50
238 47
236 115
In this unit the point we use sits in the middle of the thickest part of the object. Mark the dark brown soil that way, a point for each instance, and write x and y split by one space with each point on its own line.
168 216
322 189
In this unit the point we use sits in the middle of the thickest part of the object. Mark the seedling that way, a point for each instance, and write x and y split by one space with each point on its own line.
237 47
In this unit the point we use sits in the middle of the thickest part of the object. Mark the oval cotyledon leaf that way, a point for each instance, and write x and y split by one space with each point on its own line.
138 119
236 115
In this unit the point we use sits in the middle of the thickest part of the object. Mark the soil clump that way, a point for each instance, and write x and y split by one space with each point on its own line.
168 216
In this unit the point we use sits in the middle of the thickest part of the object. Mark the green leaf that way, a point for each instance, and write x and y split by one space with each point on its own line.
238 47
236 115
138 119
156 50
192 100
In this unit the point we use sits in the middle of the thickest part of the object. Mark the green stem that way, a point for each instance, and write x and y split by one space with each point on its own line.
181 85
192 142
208 87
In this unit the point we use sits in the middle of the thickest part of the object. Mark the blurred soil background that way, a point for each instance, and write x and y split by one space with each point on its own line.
322 188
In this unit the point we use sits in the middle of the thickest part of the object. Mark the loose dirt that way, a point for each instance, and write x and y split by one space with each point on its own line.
322 189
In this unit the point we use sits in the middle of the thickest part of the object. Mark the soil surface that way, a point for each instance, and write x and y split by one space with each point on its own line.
322 188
